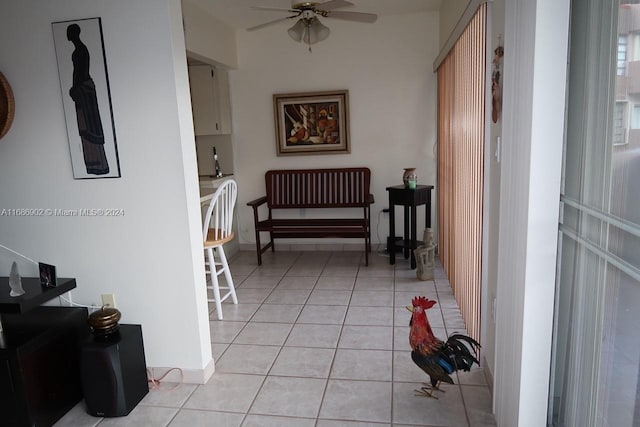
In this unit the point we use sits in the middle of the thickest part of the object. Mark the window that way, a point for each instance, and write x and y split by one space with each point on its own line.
634 123
633 53
596 356
622 55
620 115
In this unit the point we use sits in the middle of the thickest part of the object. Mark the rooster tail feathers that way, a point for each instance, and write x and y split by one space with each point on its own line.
457 350
475 345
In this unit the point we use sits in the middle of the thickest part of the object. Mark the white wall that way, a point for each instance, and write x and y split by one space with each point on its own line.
150 258
492 201
386 67
536 38
207 38
450 13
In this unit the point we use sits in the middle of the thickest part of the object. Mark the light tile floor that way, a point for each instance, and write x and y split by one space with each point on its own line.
318 339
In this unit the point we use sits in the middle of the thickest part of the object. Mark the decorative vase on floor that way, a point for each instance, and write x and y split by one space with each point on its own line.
410 178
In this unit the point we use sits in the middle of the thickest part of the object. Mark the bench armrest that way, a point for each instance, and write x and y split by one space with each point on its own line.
370 199
257 202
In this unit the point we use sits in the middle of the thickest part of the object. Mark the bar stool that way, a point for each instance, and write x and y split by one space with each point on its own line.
217 230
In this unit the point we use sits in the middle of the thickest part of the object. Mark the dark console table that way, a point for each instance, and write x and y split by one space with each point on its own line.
34 294
409 199
39 354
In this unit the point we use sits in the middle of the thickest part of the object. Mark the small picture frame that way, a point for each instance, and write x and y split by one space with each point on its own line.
48 278
312 123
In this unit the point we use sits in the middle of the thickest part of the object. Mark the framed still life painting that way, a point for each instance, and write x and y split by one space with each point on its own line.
312 123
86 98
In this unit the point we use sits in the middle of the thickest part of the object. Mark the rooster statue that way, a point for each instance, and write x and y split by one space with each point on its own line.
437 358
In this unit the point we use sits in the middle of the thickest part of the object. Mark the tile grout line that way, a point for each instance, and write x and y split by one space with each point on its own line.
393 345
264 380
335 353
266 376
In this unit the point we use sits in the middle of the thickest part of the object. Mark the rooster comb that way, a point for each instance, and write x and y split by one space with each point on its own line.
423 302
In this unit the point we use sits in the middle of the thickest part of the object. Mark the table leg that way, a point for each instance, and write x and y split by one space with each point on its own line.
391 244
406 236
414 239
427 211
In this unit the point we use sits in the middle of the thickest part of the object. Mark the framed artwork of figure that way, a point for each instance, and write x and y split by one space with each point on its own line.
84 82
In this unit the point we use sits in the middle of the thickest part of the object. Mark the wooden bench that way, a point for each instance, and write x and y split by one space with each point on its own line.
315 188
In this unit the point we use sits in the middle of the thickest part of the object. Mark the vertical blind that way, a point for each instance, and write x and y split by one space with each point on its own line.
461 124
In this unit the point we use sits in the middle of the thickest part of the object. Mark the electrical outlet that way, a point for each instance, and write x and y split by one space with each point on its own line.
109 300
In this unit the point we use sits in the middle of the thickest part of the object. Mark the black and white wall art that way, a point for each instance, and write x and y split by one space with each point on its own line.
84 81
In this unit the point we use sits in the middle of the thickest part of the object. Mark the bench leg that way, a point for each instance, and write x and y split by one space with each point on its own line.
258 248
366 252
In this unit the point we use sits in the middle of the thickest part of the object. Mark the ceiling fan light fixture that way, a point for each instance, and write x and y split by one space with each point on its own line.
308 29
298 30
316 32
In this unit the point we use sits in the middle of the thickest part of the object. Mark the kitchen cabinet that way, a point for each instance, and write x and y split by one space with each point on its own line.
210 101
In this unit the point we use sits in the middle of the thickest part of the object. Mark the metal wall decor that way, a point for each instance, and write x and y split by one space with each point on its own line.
496 82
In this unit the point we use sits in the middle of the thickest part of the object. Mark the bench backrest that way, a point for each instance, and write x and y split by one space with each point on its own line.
318 188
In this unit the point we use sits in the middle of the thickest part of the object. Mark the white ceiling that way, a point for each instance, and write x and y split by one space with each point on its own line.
238 13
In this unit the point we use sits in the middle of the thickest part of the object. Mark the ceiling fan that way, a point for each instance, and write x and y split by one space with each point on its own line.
308 28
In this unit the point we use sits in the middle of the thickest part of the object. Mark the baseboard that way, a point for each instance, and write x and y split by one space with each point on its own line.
487 374
186 376
309 247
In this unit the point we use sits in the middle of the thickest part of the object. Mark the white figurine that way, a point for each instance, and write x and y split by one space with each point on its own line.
15 282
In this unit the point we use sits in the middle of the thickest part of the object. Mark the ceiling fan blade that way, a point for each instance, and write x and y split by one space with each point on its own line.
333 4
275 21
353 16
275 9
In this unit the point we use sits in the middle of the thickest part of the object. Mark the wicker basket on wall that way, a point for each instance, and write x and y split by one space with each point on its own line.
7 106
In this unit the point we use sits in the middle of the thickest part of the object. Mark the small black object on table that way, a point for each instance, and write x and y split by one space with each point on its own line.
409 198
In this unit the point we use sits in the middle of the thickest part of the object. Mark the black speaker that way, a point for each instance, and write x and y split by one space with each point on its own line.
114 372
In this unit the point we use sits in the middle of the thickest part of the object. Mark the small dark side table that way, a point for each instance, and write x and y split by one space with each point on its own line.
39 354
410 199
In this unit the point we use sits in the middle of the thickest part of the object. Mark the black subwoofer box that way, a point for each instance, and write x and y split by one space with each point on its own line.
114 372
